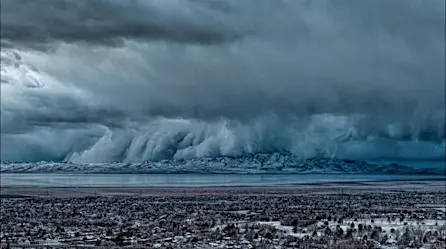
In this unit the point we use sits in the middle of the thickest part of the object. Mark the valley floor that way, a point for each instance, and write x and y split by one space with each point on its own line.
401 214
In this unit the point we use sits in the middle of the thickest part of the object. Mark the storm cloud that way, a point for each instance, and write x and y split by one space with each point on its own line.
106 22
150 80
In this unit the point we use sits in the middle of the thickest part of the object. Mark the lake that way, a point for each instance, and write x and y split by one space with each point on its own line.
166 180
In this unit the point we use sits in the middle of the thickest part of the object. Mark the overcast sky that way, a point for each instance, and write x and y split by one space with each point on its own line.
118 80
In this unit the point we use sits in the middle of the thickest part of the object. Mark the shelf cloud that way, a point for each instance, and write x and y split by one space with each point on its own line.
109 80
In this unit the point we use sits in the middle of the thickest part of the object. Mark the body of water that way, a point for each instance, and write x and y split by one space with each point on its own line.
166 180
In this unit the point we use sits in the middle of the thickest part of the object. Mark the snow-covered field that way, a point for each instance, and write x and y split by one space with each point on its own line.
226 217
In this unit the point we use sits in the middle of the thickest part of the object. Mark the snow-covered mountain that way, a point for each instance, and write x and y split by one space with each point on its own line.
249 164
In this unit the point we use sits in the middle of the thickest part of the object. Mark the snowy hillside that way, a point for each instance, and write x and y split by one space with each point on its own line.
257 163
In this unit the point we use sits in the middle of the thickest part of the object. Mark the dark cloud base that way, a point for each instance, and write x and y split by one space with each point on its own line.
42 24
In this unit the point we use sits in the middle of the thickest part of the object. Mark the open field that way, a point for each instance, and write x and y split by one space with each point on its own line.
343 215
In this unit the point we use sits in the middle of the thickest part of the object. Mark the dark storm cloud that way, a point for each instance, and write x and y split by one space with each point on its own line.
106 22
191 78
60 113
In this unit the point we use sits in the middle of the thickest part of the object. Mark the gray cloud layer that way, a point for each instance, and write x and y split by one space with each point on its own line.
181 78
105 22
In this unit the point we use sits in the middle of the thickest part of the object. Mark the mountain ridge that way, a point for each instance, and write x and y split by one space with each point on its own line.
272 163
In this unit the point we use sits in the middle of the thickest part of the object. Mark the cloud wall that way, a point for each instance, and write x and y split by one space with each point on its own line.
101 81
